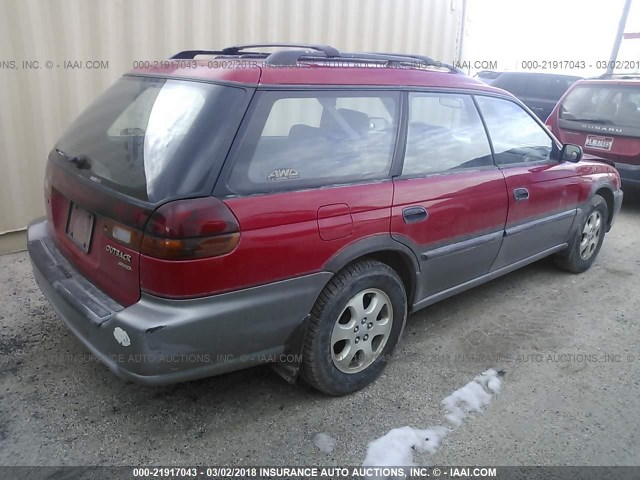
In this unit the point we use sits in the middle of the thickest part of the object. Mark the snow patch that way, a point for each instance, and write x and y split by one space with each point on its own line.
325 442
396 448
472 397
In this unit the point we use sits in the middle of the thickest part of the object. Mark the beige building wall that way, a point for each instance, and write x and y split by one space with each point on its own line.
41 93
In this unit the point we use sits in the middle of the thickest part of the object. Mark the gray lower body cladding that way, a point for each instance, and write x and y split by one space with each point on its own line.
629 173
160 341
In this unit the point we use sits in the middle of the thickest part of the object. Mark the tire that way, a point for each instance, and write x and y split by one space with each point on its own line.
584 247
344 350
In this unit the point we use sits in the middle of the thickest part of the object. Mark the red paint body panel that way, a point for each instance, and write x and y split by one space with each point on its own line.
327 75
552 188
623 149
335 221
97 264
279 239
203 70
458 205
310 74
589 172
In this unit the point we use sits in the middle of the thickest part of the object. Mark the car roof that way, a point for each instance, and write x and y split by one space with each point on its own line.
539 74
614 80
311 65
258 73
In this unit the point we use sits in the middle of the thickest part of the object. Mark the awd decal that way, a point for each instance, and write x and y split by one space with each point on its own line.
283 174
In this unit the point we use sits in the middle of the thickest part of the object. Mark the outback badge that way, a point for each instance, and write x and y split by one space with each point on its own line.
118 253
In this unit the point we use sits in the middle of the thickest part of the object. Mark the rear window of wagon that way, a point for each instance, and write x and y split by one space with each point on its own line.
154 138
616 105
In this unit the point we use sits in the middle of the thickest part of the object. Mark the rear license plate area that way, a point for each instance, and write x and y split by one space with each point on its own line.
596 141
80 227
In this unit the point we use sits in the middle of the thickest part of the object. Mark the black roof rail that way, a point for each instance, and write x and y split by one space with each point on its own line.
189 54
422 58
401 58
301 52
286 58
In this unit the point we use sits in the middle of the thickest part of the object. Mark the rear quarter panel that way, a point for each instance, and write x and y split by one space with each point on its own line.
279 239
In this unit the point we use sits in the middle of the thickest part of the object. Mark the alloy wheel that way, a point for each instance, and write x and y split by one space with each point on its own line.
590 235
361 330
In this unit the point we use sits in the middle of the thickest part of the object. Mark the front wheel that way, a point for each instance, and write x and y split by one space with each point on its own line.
587 242
355 325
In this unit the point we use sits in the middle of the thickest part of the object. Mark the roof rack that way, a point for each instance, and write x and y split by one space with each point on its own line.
239 50
295 53
420 61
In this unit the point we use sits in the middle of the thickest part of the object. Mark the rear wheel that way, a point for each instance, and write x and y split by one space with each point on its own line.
355 325
588 240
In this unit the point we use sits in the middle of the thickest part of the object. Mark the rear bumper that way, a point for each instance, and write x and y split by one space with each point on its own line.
630 174
159 341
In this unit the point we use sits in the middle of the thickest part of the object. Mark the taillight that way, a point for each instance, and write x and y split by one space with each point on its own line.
123 234
187 229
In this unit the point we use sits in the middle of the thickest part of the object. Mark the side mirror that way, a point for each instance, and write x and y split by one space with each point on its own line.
571 153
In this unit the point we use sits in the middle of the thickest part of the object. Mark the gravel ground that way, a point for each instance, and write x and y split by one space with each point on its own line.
571 393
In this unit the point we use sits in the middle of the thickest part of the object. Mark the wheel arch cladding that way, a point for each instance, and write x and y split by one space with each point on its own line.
606 193
402 265
386 250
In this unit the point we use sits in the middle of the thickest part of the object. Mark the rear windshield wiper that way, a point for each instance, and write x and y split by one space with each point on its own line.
82 161
590 120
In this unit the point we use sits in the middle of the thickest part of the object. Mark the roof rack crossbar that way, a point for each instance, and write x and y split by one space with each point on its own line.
190 54
326 49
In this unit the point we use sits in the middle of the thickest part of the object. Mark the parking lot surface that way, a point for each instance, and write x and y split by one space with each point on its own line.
568 344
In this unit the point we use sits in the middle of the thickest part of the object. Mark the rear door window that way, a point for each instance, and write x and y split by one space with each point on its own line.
308 139
444 134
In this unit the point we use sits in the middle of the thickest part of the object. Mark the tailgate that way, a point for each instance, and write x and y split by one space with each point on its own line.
81 224
613 147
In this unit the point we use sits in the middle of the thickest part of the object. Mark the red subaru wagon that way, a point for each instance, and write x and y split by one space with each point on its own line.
603 116
292 206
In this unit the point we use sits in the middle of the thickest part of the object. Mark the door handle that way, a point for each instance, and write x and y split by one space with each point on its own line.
521 194
414 214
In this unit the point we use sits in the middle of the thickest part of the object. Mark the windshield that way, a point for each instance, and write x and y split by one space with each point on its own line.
153 138
603 104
